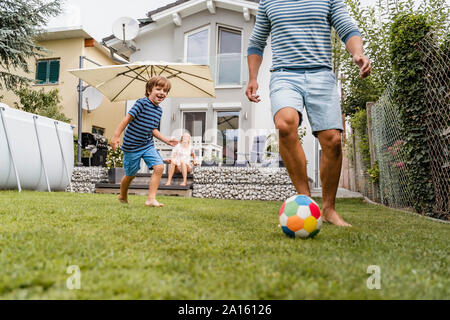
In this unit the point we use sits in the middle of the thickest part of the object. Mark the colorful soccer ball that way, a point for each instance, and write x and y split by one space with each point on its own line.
300 217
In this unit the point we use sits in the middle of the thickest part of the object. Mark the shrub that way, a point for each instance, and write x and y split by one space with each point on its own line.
46 104
406 32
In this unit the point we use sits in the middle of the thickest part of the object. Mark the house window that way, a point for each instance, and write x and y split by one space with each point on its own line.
197 46
228 127
47 71
195 123
98 130
229 57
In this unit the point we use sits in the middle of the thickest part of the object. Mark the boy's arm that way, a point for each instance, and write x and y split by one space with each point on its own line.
159 135
115 140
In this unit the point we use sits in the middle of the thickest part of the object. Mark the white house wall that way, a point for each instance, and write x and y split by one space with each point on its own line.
167 44
157 45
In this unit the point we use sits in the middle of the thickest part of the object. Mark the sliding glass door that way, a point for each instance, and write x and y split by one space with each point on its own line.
227 127
195 123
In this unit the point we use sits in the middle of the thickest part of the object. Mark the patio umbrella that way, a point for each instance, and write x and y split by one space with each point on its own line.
127 81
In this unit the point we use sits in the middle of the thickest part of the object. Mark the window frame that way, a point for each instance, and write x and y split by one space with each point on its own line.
47 72
97 128
191 111
194 31
237 109
216 71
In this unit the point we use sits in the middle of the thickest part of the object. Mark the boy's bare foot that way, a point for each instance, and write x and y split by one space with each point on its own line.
168 183
153 203
183 184
122 200
331 216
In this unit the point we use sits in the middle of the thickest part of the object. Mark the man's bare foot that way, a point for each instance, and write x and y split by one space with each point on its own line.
122 200
153 203
331 216
168 183
183 184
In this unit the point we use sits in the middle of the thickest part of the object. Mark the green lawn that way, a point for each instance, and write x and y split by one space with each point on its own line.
211 249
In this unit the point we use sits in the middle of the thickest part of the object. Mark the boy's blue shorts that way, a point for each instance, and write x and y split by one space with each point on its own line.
132 160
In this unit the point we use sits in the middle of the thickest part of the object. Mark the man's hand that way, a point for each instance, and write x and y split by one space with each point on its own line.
172 142
115 143
251 91
363 63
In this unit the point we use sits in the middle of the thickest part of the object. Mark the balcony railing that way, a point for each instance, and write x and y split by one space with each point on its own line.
201 149
229 69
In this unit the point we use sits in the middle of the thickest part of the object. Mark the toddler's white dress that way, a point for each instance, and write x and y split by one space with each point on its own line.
180 154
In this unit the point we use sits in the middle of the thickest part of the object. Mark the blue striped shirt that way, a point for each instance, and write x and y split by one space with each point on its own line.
300 31
139 132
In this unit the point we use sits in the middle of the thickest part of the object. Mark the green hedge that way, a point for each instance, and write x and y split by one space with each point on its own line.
409 83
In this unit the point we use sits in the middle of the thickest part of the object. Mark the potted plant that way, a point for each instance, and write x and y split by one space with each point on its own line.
114 164
212 161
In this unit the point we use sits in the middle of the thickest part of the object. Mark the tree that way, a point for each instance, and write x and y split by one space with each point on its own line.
374 23
41 103
20 22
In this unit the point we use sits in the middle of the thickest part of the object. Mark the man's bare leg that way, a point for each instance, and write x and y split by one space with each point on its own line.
291 150
330 172
124 185
153 187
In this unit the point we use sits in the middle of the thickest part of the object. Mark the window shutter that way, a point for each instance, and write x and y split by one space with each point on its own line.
54 71
41 72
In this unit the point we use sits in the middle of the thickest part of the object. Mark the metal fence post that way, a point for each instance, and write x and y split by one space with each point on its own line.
370 132
369 106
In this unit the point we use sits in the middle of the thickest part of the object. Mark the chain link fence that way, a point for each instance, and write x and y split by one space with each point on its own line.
390 153
436 64
389 142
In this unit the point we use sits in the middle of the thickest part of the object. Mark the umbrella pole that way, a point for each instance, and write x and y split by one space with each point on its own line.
80 101
80 109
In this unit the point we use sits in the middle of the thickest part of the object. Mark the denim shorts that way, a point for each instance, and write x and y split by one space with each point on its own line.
315 90
132 160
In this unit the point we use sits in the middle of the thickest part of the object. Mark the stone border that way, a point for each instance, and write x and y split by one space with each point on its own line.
243 183
85 178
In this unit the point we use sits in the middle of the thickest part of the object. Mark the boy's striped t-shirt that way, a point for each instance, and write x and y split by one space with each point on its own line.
139 132
300 31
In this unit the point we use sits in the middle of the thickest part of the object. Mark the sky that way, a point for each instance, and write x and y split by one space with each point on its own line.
98 16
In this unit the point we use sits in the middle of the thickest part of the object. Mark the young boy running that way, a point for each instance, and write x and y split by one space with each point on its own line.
142 123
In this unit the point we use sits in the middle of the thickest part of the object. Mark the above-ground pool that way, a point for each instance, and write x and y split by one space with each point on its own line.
36 153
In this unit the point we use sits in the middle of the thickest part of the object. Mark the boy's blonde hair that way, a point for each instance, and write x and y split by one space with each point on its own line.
157 81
